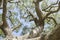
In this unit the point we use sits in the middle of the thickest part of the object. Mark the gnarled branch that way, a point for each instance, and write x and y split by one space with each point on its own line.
52 19
50 6
51 12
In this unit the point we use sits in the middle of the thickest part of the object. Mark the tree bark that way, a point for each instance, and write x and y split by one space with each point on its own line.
39 14
4 26
54 34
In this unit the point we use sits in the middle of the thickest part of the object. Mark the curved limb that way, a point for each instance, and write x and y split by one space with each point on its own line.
50 6
52 19
51 12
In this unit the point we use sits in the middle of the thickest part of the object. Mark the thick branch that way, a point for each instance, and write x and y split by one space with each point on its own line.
39 13
4 13
4 26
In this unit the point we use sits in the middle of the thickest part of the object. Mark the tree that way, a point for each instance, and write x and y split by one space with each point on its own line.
38 22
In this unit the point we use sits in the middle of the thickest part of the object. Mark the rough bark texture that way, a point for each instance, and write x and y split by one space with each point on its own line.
4 27
39 14
54 34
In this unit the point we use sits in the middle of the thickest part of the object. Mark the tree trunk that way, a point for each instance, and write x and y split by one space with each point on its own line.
39 14
5 26
54 34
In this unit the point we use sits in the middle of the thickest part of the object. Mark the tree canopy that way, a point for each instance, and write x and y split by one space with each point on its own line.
35 18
